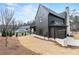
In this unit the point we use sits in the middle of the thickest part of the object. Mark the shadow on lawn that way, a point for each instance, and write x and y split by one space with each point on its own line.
14 47
73 47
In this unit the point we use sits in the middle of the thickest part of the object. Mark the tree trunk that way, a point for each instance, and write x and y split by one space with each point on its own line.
6 41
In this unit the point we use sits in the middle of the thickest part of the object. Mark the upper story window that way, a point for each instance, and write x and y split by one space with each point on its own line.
59 22
52 22
40 19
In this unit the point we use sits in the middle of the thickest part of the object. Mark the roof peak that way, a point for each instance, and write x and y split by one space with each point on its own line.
51 11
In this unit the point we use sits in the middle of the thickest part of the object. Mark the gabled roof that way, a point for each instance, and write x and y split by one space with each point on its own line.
54 13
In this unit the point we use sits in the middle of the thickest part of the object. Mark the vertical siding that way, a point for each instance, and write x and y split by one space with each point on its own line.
42 15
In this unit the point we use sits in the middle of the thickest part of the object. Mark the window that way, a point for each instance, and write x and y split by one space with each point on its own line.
58 22
52 22
40 19
26 28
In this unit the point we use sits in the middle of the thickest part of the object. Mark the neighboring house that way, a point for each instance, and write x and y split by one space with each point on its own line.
49 23
23 29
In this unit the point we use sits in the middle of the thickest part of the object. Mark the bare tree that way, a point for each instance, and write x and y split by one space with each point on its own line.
74 16
6 16
73 13
13 24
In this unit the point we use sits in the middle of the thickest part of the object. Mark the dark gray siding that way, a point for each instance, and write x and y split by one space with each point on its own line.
58 32
49 23
41 20
53 20
56 26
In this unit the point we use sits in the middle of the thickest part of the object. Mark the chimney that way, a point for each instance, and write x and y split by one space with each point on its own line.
67 20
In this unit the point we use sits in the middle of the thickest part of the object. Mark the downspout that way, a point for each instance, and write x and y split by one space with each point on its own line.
67 20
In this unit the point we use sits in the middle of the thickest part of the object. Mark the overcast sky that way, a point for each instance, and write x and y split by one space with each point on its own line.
27 11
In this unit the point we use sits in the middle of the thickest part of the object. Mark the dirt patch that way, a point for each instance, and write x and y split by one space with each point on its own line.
29 45
46 47
14 47
76 36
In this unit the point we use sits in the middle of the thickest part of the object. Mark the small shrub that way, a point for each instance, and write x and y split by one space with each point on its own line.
10 33
22 34
4 33
7 33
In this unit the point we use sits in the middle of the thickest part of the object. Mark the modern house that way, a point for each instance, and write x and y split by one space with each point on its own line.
49 23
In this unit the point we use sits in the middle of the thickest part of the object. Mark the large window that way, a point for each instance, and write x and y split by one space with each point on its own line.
59 22
56 22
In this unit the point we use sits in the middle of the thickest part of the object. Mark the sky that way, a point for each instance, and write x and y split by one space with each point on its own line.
26 11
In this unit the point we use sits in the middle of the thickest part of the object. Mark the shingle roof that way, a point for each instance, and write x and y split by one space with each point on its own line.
61 15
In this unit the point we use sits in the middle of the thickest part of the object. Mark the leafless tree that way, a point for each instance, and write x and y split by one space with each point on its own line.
73 13
13 24
6 16
74 18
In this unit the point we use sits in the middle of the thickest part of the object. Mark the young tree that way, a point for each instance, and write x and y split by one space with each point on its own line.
6 16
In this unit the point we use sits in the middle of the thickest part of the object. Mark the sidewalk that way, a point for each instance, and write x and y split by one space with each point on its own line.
44 38
62 42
